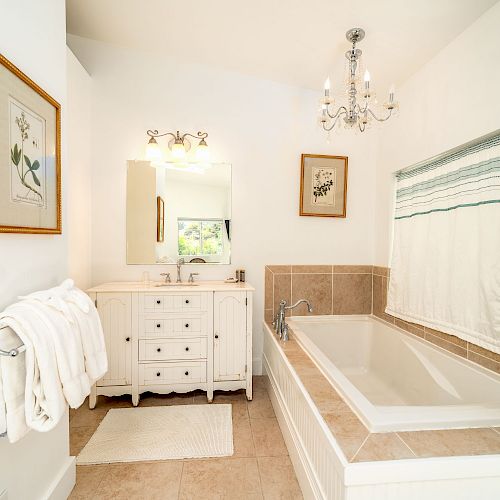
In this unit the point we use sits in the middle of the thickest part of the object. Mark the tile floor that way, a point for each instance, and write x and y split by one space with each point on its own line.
259 469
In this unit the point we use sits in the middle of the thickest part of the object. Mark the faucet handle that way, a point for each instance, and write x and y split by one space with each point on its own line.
167 277
191 277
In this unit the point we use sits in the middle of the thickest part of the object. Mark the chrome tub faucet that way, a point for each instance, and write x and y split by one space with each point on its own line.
280 324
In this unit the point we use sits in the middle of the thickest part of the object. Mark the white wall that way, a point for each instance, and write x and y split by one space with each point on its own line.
258 126
32 36
79 161
450 101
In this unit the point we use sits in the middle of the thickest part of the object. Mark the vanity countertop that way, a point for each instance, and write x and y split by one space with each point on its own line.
158 286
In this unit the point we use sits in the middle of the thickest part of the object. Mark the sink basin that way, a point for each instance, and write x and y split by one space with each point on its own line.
176 284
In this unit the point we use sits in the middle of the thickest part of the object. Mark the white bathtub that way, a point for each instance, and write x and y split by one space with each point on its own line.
394 381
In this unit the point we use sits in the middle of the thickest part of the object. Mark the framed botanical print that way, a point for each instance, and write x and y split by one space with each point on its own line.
160 219
30 155
323 186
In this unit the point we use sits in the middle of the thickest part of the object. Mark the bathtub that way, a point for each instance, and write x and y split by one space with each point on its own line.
394 381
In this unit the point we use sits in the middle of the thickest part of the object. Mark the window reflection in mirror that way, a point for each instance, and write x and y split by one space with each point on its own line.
196 213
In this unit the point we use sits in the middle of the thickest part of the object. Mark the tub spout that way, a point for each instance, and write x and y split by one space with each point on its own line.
280 324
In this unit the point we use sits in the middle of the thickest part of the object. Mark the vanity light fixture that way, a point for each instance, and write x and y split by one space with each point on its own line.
179 145
353 113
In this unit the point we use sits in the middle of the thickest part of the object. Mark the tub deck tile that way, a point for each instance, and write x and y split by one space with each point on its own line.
359 445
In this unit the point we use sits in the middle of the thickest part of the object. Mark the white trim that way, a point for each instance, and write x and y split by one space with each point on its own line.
64 482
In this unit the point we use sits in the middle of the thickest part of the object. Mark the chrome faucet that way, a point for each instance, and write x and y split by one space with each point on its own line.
280 324
180 263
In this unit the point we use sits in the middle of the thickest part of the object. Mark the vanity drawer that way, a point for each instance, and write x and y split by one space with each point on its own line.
187 372
173 302
172 349
184 325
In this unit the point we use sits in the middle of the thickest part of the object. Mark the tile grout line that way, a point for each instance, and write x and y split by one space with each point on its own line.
180 480
361 446
406 444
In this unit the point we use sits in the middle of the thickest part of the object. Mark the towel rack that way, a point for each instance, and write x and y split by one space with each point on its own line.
12 352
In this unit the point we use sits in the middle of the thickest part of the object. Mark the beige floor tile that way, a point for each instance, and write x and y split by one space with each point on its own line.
267 437
386 446
147 480
79 437
84 417
443 443
260 406
88 479
238 403
233 478
278 479
105 402
347 429
242 439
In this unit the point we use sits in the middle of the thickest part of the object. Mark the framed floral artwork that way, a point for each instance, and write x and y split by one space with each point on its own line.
160 219
323 186
30 155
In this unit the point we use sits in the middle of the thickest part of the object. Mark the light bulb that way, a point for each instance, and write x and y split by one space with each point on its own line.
367 76
202 151
178 150
153 151
327 84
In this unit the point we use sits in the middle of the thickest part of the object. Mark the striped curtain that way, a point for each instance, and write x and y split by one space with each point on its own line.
445 269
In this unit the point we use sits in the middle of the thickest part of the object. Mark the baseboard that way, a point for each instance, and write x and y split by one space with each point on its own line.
305 475
64 482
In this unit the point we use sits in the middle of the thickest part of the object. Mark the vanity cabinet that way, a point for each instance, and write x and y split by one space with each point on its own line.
175 338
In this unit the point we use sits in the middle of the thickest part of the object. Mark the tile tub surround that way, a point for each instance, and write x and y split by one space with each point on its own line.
355 289
359 445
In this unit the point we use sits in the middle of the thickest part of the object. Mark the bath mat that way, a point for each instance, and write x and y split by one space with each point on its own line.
161 433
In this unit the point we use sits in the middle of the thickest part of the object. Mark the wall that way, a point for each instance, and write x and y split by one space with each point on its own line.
450 101
79 160
32 36
259 126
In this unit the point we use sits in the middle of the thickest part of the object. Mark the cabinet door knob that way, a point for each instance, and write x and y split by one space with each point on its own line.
158 325
158 301
159 350
187 348
186 373
187 325
128 339
158 374
216 336
187 301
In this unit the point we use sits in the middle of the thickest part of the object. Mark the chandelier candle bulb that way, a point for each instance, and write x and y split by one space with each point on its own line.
367 80
391 94
327 87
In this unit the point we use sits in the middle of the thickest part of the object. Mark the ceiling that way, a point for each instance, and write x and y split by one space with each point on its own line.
298 42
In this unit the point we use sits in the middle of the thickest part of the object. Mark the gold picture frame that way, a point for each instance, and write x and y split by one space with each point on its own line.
30 138
160 219
323 186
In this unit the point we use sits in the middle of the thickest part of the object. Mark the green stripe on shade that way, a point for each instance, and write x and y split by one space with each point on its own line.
464 205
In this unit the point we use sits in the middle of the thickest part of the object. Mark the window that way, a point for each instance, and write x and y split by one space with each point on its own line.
200 237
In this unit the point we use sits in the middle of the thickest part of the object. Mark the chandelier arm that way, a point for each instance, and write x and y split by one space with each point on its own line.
338 115
199 135
380 119
361 128
341 108
154 133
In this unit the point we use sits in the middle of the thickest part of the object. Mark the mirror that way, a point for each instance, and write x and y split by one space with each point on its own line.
178 211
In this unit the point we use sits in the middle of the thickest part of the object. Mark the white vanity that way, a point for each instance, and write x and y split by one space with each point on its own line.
175 338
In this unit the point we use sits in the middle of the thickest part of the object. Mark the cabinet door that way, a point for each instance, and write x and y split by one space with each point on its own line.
230 327
116 318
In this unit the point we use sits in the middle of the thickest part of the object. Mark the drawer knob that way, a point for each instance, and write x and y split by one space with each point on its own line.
187 301
158 374
158 325
158 301
128 339
216 336
187 325
187 348
159 350
186 373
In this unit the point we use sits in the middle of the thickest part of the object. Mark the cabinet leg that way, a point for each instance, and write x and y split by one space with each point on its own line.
210 396
249 393
135 399
92 397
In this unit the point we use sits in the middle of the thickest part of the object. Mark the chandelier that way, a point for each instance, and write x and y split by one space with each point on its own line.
353 113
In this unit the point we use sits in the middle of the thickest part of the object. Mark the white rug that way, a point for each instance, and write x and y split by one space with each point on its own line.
161 433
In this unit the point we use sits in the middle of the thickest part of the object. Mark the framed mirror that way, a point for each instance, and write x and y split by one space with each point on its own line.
177 211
